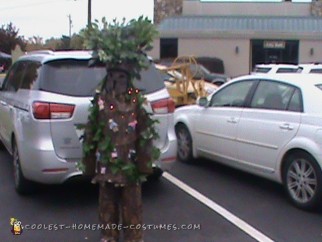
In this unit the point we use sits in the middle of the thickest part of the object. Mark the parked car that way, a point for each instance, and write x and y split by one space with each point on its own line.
213 64
268 125
45 97
200 72
276 68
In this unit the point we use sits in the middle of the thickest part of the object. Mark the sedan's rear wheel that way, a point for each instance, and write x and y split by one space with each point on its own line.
184 150
302 179
22 185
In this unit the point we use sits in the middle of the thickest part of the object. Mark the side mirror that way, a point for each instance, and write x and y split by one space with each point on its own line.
203 101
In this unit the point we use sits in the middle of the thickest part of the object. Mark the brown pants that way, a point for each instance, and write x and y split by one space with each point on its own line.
120 208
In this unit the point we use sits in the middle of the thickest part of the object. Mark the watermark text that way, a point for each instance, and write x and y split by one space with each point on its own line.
75 226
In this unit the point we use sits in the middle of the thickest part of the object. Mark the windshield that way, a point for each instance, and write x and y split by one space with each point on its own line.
204 69
200 69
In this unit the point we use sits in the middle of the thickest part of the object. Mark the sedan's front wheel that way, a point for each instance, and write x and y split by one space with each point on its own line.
302 179
184 150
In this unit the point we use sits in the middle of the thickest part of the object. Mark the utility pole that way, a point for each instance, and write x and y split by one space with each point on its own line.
89 13
70 25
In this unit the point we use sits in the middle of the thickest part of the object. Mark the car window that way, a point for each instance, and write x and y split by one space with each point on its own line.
272 95
296 104
70 77
150 80
196 72
203 69
75 78
14 77
31 75
233 95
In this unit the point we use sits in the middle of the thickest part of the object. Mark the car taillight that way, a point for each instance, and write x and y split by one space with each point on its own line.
163 106
45 110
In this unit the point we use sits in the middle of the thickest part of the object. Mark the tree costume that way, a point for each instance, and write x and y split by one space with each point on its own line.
118 140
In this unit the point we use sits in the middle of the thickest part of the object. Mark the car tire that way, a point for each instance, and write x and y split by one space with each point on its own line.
302 179
22 185
184 150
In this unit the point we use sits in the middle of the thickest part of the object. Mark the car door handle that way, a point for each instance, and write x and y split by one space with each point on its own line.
232 120
286 126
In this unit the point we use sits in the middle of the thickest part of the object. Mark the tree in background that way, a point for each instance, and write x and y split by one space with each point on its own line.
35 43
77 42
65 43
52 43
9 38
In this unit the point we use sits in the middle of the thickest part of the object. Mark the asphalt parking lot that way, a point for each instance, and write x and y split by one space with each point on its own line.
204 202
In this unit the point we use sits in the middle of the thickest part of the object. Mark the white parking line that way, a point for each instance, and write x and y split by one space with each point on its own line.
251 231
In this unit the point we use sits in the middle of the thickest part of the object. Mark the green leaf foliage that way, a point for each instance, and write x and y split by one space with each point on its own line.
120 44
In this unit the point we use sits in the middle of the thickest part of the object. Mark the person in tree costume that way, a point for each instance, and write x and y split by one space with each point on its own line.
118 139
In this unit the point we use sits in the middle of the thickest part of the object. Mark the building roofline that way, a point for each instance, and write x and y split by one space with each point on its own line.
307 27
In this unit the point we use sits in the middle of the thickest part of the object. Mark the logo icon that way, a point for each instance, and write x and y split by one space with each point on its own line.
16 227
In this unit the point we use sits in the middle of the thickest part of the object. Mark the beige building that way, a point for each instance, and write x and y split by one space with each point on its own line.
243 34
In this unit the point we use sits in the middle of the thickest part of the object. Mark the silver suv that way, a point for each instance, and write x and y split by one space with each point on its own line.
45 96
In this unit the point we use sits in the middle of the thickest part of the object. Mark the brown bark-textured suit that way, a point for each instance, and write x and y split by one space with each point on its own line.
118 150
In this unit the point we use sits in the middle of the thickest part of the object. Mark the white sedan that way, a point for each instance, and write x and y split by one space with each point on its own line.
268 125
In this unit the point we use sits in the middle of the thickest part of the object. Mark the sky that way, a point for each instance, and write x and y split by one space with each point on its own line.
50 18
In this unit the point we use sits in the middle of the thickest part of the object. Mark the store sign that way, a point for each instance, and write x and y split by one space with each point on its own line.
274 44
